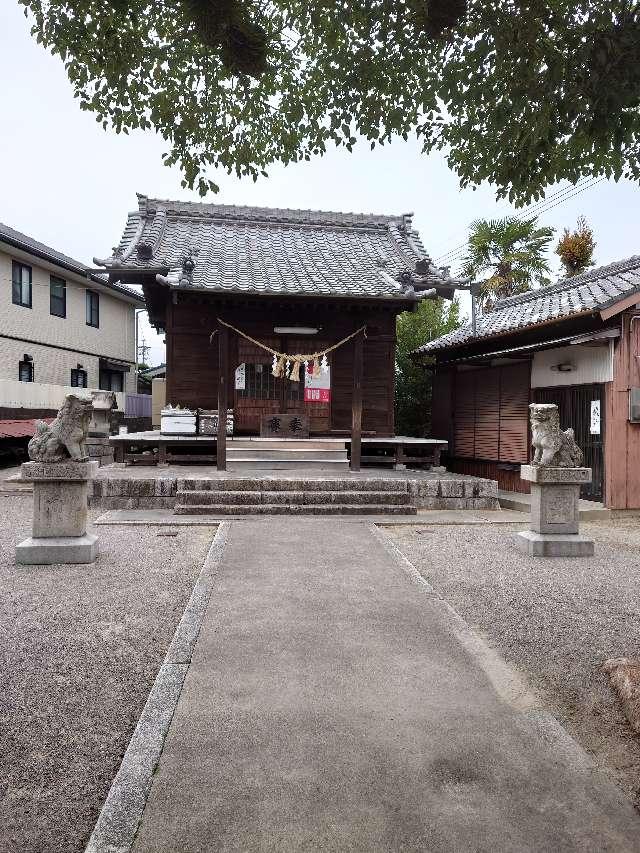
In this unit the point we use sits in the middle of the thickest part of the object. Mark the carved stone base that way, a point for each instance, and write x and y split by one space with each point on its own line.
555 496
46 551
555 512
59 513
550 545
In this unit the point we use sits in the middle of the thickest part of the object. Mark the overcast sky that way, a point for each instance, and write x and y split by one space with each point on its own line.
68 183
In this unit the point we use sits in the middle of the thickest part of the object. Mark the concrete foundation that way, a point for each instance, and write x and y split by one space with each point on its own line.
48 550
553 545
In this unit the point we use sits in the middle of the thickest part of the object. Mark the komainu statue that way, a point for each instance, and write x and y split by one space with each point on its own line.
65 438
553 446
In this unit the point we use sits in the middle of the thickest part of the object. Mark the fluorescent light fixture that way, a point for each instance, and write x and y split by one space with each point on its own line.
295 330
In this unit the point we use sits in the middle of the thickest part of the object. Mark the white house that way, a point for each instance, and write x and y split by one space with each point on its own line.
61 327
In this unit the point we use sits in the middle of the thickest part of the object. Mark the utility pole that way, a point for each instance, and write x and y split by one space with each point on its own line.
143 348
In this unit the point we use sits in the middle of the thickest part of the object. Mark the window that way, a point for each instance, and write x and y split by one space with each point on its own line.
25 371
21 281
78 378
93 309
57 296
111 380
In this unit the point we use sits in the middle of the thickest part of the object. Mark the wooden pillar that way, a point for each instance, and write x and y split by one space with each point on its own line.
356 402
223 370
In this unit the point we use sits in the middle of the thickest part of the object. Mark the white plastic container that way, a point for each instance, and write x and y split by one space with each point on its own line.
177 422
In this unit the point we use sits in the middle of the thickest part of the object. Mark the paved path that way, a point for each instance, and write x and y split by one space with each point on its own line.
329 706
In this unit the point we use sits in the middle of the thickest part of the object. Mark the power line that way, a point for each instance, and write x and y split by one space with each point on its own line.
536 208
559 197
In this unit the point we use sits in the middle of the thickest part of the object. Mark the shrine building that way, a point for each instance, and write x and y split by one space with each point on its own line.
249 289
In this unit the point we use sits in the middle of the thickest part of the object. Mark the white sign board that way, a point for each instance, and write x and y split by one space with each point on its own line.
317 389
595 418
240 377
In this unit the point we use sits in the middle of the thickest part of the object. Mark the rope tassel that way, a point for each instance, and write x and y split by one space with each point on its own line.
279 366
295 372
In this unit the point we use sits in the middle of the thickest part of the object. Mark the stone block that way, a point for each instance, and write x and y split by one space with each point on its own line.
470 488
555 508
59 508
548 474
58 471
549 545
44 551
452 488
487 489
165 486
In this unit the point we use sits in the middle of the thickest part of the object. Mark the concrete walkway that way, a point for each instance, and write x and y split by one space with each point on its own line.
330 706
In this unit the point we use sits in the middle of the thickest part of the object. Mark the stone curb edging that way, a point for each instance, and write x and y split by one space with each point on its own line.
118 821
507 683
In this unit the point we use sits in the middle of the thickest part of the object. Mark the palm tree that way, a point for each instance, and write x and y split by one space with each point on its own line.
511 252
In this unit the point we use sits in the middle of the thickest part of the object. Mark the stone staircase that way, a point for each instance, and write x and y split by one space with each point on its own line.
288 496
282 454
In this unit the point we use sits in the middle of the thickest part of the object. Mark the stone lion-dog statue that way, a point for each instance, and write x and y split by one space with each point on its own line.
66 437
552 446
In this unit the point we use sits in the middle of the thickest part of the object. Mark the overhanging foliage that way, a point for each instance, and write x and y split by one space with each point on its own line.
521 93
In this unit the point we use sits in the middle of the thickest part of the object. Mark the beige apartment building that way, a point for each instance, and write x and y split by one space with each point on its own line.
61 328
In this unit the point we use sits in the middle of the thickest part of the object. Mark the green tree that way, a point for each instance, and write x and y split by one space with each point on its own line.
520 93
510 252
413 382
576 248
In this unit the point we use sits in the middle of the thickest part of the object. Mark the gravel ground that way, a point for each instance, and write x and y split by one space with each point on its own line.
555 620
80 647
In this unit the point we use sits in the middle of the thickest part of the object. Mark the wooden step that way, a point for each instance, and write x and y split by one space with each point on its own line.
284 454
247 464
283 444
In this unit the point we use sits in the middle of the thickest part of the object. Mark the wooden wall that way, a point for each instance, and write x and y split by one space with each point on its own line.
192 362
622 439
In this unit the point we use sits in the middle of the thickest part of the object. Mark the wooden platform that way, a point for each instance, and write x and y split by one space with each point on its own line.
253 452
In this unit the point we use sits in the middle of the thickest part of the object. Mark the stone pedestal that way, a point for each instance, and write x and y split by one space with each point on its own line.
100 450
98 446
555 496
59 514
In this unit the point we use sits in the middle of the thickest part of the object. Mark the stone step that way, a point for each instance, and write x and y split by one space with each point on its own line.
295 509
291 484
285 455
253 498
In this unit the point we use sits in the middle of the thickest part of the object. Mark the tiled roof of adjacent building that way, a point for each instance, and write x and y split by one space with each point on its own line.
39 250
594 290
226 248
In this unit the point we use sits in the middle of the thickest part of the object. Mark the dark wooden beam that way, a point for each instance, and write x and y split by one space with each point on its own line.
356 402
223 370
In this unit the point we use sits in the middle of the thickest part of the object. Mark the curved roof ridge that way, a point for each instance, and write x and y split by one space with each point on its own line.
568 283
273 214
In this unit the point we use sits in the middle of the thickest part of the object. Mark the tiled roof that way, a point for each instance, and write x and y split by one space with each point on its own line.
20 429
590 291
226 248
40 250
